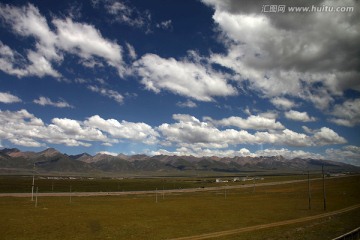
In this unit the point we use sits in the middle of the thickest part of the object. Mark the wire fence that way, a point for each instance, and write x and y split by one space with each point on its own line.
353 235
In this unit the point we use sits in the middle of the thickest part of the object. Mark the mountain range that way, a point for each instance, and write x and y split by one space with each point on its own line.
14 161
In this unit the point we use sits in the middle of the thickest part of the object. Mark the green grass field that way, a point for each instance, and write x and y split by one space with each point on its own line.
184 214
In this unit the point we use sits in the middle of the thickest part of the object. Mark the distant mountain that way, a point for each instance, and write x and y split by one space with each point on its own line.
50 152
84 157
49 160
53 161
9 151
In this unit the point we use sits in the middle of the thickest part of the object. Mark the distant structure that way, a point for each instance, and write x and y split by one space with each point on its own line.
219 180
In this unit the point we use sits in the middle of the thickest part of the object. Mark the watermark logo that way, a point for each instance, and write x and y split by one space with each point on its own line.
307 9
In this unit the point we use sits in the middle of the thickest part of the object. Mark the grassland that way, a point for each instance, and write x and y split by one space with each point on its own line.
184 214
22 184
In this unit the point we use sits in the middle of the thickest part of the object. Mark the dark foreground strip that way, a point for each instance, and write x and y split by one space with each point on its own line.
269 225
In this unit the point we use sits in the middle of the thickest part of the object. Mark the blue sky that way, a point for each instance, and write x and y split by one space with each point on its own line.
206 78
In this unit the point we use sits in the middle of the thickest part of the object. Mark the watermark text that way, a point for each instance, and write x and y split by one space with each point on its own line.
307 9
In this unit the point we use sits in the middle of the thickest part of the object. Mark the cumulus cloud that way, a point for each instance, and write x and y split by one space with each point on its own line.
283 103
299 116
327 136
199 152
20 127
183 77
141 132
70 37
288 54
243 152
8 98
347 114
252 122
43 101
28 22
188 134
87 42
189 131
24 129
348 154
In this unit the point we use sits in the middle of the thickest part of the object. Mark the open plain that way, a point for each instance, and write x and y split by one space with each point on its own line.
227 211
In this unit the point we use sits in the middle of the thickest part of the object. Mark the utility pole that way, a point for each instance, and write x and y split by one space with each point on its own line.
156 198
324 193
309 192
254 185
33 184
36 201
70 194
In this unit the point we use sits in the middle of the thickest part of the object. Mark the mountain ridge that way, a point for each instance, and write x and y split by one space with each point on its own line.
51 160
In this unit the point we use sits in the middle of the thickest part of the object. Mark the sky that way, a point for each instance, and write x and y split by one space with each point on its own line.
204 78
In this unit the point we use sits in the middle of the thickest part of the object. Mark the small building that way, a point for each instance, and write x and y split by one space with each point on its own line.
219 180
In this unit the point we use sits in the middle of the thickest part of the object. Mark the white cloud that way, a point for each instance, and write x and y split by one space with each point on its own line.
81 39
108 93
347 114
43 101
186 78
348 154
283 103
243 152
141 132
108 153
20 128
278 56
8 98
189 131
122 12
166 25
87 42
252 122
24 129
188 104
26 142
199 152
91 63
269 114
13 63
308 130
131 51
8 59
28 22
299 116
188 134
327 136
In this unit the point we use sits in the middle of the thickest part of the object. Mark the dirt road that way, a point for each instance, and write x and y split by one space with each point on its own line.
269 225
